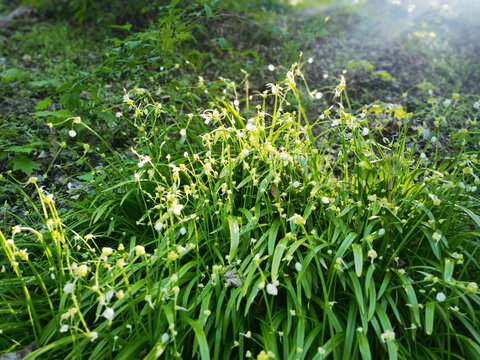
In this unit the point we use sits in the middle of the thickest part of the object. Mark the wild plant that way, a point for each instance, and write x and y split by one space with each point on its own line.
257 233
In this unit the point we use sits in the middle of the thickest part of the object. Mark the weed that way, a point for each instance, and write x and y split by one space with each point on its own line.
257 237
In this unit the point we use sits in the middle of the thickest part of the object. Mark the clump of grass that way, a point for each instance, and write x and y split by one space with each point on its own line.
249 231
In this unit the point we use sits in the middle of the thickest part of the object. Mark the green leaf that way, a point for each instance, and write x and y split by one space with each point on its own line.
54 116
21 149
277 257
234 236
470 213
42 105
202 340
429 315
122 27
12 75
357 289
448 271
45 84
24 164
208 10
363 345
272 235
358 258
384 75
412 297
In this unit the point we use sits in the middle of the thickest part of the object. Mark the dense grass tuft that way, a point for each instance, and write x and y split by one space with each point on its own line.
248 230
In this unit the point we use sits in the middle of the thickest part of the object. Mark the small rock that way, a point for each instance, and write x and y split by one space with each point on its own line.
20 354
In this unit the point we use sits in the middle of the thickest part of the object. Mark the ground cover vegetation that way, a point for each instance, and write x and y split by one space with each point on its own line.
221 180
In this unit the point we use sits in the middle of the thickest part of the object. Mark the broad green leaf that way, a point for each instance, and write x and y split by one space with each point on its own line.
448 271
470 213
355 284
234 236
384 75
201 339
24 164
358 258
122 27
49 347
363 345
12 75
350 330
208 10
471 347
277 257
100 210
345 244
272 236
412 297
42 105
429 315
47 84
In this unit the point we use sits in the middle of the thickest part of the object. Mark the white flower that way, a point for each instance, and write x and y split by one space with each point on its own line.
93 336
387 336
298 266
72 133
381 232
144 161
139 250
325 200
310 60
159 225
64 328
476 105
272 289
472 287
436 236
183 231
107 251
68 288
183 132
16 229
365 131
176 208
298 219
318 95
447 102
148 299
441 297
165 338
82 270
250 127
271 67
118 114
296 184
108 314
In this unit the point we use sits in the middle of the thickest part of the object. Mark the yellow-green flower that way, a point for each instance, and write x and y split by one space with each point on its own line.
472 287
139 250
82 270
172 256
298 220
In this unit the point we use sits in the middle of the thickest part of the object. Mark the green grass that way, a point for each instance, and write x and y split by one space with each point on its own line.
237 232
212 217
